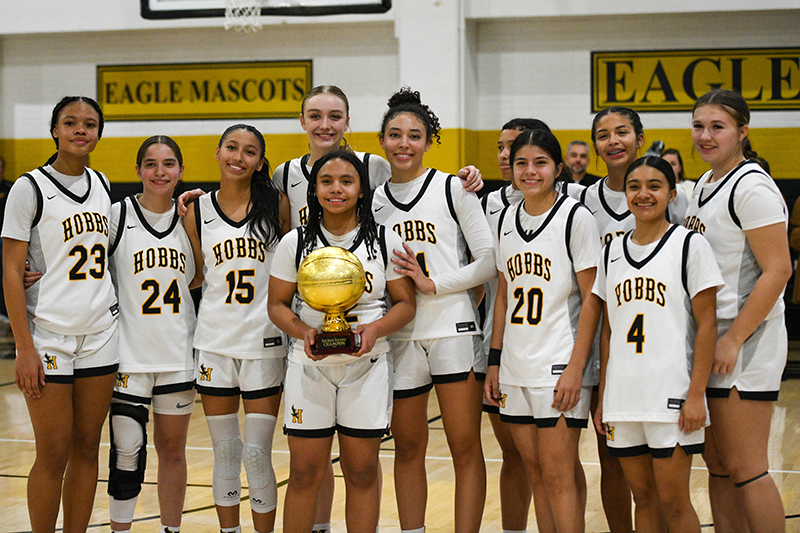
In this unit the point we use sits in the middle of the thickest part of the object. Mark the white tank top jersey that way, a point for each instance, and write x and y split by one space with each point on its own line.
372 305
648 291
68 242
292 177
610 209
152 268
493 204
232 320
747 198
429 213
539 256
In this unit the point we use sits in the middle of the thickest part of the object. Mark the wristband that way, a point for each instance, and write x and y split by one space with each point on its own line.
494 356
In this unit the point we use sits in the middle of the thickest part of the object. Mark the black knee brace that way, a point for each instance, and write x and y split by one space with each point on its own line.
124 484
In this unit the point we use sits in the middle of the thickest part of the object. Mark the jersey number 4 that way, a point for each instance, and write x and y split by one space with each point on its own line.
636 333
533 312
171 297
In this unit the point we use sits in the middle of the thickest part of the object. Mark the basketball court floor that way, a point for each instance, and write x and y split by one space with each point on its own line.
16 441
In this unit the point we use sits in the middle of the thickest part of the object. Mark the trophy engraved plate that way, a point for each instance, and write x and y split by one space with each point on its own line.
331 280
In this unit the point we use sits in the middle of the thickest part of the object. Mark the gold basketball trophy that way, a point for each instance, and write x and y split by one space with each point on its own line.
331 280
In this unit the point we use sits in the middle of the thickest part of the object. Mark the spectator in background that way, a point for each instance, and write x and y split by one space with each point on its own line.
577 160
673 157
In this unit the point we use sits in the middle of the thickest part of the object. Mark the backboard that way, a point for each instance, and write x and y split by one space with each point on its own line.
176 9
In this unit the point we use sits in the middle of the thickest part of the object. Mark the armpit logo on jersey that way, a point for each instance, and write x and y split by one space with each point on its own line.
122 380
271 342
297 415
557 370
50 360
205 373
675 403
114 309
609 432
463 327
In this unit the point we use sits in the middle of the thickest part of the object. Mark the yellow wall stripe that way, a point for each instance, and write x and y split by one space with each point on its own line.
116 157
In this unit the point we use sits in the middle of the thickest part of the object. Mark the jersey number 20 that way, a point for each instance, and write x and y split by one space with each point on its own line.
533 312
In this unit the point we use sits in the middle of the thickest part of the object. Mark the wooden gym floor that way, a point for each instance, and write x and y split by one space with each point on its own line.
16 439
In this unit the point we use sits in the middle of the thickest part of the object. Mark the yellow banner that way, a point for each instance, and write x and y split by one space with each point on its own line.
769 79
272 89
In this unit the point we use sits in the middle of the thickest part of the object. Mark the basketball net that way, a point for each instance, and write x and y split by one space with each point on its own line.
243 15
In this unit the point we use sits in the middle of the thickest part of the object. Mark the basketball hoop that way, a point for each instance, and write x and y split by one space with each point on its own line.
243 15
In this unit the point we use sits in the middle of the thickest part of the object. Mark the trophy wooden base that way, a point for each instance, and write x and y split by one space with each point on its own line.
343 342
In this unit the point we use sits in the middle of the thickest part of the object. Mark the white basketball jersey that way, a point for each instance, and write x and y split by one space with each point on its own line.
152 270
69 246
233 320
292 179
610 209
544 299
747 198
652 327
373 303
422 213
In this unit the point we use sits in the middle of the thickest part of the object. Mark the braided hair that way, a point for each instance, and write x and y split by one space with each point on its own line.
368 228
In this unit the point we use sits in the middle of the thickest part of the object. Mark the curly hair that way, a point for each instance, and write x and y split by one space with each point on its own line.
407 101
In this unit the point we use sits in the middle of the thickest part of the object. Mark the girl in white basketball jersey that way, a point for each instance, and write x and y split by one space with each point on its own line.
240 353
741 212
345 393
617 134
152 265
441 346
65 326
659 284
546 256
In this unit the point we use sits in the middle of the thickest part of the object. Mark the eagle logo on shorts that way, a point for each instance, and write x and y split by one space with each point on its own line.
609 432
297 416
502 401
51 362
122 380
205 373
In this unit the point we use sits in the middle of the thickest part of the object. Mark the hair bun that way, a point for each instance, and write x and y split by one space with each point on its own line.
405 96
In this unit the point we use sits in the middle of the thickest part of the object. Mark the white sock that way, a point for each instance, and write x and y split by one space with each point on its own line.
120 531
321 528
170 529
515 531
420 530
237 529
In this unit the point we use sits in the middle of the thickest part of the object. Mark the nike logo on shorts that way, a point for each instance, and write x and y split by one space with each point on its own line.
181 406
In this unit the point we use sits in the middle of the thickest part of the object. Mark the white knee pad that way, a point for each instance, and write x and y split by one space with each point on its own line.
227 442
257 457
